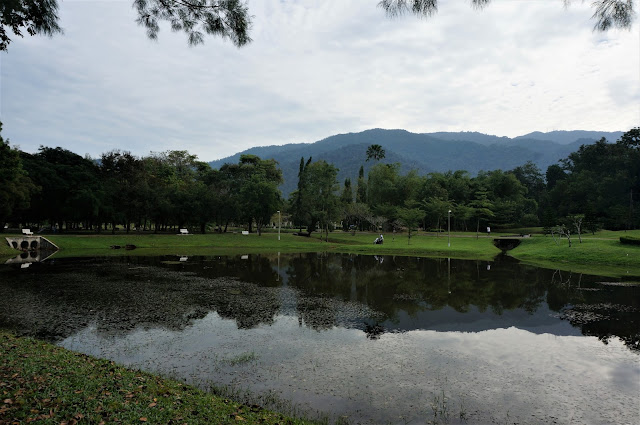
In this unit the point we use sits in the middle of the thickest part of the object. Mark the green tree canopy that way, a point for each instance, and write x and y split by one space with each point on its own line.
16 188
322 195
606 178
254 189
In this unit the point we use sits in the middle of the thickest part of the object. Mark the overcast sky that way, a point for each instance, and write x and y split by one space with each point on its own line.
316 68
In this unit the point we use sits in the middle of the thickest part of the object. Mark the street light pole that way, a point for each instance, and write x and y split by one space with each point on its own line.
279 221
449 229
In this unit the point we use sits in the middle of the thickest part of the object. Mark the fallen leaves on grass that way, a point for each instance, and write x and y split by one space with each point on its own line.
65 388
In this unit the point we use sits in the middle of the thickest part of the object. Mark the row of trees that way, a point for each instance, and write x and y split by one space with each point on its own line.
60 189
599 184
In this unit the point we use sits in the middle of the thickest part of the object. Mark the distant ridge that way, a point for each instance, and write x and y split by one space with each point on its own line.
567 137
426 152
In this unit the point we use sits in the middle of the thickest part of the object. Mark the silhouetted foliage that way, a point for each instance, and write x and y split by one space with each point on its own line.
608 13
32 16
228 19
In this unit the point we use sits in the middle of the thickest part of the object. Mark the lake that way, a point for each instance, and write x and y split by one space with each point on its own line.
375 339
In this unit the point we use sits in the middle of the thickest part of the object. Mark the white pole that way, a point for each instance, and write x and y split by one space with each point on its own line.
449 229
279 221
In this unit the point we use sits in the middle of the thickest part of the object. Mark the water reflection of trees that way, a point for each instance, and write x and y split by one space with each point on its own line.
407 285
326 290
55 302
601 310
414 285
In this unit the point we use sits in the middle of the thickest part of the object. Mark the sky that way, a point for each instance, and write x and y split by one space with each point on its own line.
316 68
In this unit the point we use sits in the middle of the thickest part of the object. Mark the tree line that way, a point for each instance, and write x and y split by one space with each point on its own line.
59 189
597 186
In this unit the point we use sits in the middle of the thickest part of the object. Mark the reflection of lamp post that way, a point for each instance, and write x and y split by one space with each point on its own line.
449 275
449 229
279 220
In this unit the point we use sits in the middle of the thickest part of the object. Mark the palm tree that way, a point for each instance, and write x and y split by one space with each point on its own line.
376 152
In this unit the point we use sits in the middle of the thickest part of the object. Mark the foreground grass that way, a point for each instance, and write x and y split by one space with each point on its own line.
48 384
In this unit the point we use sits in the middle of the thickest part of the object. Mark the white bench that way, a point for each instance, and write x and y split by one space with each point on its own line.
245 232
184 231
27 232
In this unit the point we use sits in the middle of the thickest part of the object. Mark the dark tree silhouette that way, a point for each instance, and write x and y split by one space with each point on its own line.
225 18
228 19
375 152
608 13
32 16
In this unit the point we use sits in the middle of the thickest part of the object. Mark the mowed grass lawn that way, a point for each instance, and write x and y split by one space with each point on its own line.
601 253
236 243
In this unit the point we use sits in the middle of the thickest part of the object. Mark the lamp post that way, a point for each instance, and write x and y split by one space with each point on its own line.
449 229
279 221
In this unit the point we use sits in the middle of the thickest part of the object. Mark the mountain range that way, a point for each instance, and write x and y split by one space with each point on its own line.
425 152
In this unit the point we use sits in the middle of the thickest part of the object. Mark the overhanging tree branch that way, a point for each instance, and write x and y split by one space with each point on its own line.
608 14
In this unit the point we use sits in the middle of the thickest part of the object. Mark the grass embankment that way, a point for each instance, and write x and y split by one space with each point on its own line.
48 384
6 250
599 254
78 245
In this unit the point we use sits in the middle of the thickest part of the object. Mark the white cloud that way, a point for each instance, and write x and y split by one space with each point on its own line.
316 68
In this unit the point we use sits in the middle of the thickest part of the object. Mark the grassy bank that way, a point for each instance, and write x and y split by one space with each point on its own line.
601 254
236 243
5 250
48 384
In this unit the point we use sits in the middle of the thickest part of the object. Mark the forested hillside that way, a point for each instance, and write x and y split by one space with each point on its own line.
441 151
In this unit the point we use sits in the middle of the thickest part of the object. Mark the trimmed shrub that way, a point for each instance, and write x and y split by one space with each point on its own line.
629 240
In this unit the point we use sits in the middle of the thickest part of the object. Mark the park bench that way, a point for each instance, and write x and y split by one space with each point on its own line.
184 231
27 232
245 232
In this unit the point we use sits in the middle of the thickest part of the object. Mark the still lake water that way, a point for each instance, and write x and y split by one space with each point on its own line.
377 339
